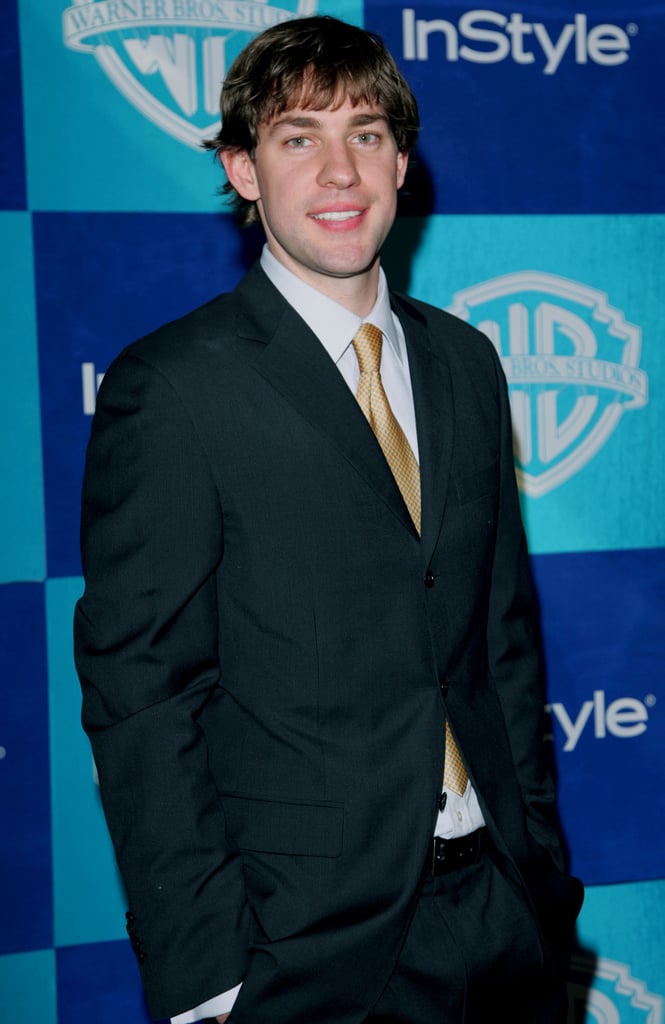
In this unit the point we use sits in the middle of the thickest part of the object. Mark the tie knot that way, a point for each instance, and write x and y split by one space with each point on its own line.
367 343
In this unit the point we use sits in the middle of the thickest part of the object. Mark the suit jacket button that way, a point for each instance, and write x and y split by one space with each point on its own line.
429 579
443 686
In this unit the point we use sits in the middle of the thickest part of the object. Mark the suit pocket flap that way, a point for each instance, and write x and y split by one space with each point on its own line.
477 484
276 826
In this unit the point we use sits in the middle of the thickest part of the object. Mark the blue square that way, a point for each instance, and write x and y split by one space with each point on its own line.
89 903
104 280
510 125
25 837
602 623
22 556
100 983
12 160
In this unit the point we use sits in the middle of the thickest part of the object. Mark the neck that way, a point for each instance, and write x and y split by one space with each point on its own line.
356 292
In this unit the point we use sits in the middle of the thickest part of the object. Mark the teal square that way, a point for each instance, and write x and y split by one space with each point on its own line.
28 988
22 554
89 903
574 305
118 96
620 958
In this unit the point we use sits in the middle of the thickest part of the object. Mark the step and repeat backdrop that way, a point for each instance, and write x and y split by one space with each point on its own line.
535 210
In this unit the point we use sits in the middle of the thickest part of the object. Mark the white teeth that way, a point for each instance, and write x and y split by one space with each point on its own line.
337 215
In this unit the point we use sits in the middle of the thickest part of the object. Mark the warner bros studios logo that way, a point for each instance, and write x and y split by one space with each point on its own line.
170 57
571 360
605 992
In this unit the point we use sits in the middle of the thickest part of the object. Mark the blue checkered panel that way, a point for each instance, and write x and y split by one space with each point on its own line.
534 210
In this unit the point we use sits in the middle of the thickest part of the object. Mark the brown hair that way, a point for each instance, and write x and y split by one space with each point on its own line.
313 63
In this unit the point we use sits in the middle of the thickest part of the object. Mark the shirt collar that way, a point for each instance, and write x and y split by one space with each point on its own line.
333 324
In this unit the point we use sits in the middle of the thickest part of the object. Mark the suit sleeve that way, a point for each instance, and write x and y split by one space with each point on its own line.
513 647
146 647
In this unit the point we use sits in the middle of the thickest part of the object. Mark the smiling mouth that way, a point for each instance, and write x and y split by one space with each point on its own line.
338 215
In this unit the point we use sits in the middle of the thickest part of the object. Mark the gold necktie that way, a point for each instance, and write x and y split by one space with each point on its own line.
374 403
455 776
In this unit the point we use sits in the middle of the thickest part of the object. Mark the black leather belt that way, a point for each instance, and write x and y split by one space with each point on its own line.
449 854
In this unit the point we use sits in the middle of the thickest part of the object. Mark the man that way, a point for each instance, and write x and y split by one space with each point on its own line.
306 642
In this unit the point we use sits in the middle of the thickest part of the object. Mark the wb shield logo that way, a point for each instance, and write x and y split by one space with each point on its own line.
605 992
169 57
571 360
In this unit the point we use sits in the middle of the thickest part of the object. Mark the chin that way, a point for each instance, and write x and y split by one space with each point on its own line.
349 266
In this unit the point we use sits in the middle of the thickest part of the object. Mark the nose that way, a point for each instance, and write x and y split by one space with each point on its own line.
338 167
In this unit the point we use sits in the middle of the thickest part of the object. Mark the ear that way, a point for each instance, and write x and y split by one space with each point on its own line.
402 164
241 172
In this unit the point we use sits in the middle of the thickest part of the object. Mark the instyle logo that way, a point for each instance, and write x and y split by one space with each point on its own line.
90 381
623 718
605 991
169 57
489 37
572 363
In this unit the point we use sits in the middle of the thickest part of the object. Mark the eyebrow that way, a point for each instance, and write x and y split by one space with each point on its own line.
304 121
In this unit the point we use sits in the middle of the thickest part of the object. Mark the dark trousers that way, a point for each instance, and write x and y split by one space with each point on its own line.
473 954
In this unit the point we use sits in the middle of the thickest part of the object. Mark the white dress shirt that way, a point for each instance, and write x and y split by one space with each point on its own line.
335 326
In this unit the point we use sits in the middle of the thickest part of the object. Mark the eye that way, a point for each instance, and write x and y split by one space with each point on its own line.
368 138
297 142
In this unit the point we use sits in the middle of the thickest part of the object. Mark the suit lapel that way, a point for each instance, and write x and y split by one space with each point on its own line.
295 363
433 399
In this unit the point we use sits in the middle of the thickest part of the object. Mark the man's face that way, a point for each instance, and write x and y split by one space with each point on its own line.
325 183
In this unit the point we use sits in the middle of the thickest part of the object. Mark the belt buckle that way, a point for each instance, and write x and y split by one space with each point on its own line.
448 854
438 856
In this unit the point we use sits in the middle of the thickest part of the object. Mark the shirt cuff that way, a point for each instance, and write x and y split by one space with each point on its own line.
211 1008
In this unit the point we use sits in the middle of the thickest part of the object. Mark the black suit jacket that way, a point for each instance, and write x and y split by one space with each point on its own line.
268 651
